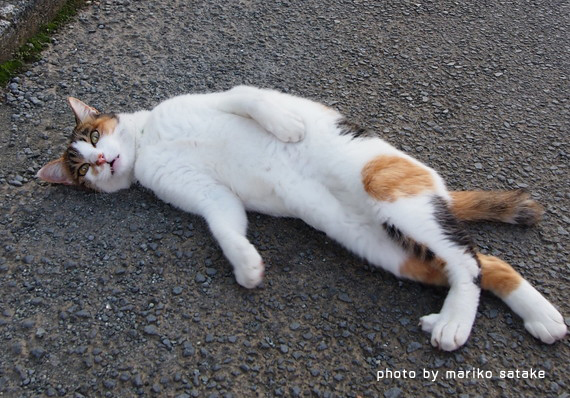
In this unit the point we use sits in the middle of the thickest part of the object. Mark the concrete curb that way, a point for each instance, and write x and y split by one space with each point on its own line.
19 20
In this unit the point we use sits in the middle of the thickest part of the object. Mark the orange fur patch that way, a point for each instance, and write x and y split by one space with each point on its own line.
430 272
104 124
388 178
498 276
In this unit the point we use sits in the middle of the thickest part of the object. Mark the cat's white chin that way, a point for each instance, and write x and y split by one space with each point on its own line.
114 184
112 178
118 175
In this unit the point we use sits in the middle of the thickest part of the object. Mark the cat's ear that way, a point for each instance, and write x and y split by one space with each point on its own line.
81 110
55 173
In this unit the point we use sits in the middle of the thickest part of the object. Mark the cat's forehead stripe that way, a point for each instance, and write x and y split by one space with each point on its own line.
74 160
104 124
81 133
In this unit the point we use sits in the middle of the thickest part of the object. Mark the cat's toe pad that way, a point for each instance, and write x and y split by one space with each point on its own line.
447 333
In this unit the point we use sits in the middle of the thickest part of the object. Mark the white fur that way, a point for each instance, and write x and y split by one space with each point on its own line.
452 326
540 317
221 154
118 146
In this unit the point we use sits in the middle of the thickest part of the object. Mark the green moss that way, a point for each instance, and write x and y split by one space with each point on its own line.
31 50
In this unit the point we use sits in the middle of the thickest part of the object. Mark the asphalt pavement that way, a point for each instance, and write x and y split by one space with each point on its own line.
122 295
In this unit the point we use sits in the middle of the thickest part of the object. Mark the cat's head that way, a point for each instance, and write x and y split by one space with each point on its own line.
100 155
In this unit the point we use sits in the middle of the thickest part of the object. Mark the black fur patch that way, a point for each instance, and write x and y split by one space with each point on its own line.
352 129
525 216
393 232
452 228
477 279
450 225
419 251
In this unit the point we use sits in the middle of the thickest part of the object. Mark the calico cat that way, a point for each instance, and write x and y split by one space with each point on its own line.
221 154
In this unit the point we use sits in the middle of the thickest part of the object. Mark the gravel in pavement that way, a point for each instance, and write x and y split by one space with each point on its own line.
122 295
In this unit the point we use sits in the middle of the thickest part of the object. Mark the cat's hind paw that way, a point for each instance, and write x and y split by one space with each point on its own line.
428 322
546 323
446 334
541 318
548 331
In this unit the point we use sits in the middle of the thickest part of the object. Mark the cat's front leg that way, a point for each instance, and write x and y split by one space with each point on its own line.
222 209
227 219
264 107
283 124
247 263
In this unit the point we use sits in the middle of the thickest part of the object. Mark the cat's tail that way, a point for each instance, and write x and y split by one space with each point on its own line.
513 207
540 317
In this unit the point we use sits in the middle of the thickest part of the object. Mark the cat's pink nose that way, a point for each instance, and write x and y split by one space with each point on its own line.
101 160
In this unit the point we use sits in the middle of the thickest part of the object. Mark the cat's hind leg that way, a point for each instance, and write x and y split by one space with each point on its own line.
264 107
426 219
540 317
411 201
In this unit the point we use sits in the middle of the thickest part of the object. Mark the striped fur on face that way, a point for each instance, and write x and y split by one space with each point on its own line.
81 164
100 154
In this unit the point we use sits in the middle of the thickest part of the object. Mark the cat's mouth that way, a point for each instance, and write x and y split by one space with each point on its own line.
112 164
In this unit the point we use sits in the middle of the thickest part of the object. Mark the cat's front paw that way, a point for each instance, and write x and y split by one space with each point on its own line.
283 124
250 275
447 333
288 128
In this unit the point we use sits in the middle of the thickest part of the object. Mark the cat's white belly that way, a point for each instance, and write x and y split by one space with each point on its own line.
245 159
267 175
261 183
260 196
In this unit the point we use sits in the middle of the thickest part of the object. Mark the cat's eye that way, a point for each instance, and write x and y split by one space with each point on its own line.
83 170
94 136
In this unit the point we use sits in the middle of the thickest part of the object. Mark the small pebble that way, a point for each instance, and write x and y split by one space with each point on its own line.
150 330
294 325
393 392
413 346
